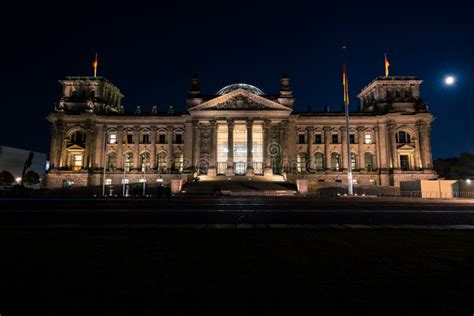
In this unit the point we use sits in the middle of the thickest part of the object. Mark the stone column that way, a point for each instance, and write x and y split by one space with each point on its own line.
267 158
196 143
57 135
285 146
327 154
310 157
169 137
393 145
153 147
344 141
212 171
136 156
377 148
120 159
230 148
384 163
360 138
249 171
424 130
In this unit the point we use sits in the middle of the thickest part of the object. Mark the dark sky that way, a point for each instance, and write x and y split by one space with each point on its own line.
150 51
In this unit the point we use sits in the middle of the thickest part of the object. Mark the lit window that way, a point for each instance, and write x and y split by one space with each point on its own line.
113 138
77 162
368 139
301 162
108 181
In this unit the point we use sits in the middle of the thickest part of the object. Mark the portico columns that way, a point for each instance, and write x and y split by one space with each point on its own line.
230 148
153 147
327 154
360 137
196 144
249 171
120 160
212 171
268 171
310 158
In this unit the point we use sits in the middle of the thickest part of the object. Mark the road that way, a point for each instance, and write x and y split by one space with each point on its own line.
241 212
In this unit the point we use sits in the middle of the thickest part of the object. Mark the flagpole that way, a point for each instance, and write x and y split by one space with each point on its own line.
350 189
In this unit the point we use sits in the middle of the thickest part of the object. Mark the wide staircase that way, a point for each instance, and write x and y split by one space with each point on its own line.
239 186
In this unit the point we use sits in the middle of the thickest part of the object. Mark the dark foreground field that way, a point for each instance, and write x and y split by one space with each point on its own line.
179 271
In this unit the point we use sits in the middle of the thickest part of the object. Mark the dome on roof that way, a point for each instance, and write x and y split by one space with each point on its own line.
244 86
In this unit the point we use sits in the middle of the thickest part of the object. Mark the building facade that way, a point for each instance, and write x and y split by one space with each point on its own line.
238 131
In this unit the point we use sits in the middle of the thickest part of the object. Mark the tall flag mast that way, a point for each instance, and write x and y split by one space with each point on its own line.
345 84
95 64
387 66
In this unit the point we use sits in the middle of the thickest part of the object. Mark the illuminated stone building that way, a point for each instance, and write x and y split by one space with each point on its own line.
240 130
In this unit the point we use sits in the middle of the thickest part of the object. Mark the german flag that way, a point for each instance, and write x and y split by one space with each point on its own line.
345 82
387 66
95 64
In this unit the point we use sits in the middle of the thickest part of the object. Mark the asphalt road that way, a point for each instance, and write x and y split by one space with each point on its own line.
241 212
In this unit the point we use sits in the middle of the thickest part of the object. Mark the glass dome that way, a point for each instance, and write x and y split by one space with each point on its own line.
244 86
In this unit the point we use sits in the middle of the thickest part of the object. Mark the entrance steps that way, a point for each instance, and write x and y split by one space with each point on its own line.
240 188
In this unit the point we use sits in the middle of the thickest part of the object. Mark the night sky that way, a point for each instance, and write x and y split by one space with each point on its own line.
150 51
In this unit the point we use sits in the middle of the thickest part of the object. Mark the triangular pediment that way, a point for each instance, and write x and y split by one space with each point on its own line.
75 147
406 147
240 100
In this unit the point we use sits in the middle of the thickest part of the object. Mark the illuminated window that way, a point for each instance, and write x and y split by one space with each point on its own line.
353 161
108 181
112 161
162 162
222 148
319 161
145 161
368 160
112 138
128 162
257 148
368 138
240 148
335 162
77 162
301 162
178 162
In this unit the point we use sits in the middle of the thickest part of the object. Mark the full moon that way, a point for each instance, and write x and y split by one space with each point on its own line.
449 80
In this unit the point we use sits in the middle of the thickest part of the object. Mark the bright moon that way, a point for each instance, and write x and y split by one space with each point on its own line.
449 80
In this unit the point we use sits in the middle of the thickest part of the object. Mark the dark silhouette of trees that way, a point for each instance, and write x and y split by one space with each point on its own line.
455 168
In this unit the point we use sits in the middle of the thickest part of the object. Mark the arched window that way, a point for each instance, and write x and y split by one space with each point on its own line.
403 137
369 163
353 161
178 162
128 161
335 161
78 138
318 161
145 161
112 161
161 161
301 162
